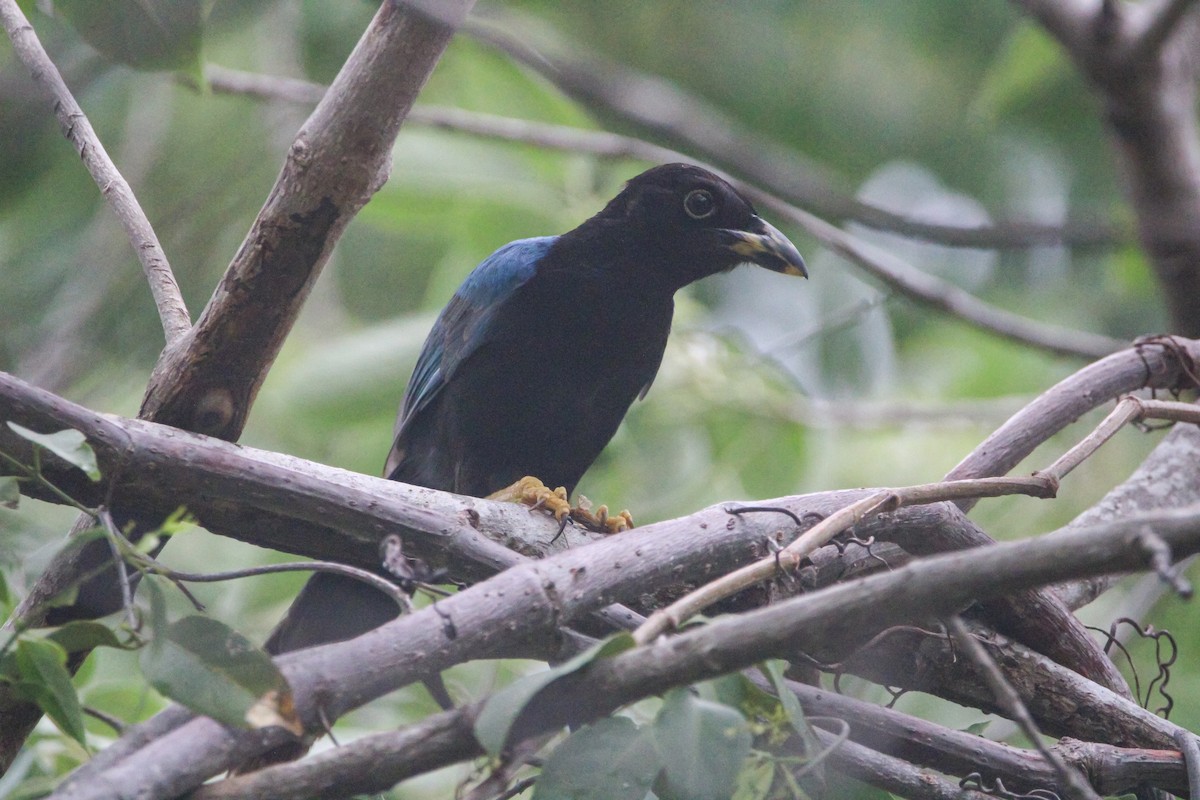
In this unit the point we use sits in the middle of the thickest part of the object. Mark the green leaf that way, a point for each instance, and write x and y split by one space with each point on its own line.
702 745
504 707
977 728
738 691
83 635
6 596
791 706
44 679
177 522
180 520
214 670
611 759
755 779
145 34
10 492
70 445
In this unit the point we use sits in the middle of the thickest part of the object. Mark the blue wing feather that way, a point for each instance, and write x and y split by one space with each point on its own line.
463 325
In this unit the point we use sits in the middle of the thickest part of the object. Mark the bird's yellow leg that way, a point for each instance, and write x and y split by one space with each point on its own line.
532 492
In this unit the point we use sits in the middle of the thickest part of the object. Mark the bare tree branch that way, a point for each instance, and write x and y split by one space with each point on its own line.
1043 483
1008 699
1042 622
789 558
116 192
1139 58
1161 363
953 752
894 743
227 477
339 159
1169 477
207 379
335 678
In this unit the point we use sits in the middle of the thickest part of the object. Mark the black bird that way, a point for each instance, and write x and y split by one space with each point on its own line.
540 353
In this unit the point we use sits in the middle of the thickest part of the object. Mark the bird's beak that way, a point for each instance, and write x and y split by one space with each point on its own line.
761 243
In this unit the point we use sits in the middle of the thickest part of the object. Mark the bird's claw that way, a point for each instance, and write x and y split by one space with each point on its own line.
600 520
532 492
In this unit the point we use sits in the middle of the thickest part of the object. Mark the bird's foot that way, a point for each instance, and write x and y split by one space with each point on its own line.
600 520
532 492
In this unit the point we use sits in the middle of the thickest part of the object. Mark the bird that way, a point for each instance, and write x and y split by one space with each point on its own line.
536 359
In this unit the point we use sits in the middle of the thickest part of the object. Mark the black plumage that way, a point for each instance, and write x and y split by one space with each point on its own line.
536 359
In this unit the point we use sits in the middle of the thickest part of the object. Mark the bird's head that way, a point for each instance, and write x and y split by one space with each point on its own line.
690 223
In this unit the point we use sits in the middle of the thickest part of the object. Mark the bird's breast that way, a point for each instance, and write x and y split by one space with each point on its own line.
550 389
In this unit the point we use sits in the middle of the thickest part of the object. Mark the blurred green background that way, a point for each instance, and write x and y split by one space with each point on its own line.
952 112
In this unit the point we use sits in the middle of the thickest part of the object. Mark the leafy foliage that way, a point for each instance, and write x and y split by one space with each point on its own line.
69 445
214 670
38 671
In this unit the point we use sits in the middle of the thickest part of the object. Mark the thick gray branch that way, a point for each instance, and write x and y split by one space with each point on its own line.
301 507
890 750
339 158
339 677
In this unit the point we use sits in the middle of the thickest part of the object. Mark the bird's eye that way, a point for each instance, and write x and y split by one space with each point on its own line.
699 204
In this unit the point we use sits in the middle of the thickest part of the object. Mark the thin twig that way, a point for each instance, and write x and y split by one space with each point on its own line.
674 615
516 788
264 87
126 551
1128 408
116 543
1159 363
370 578
75 126
152 565
838 740
1008 699
1043 484
1169 410
116 723
1161 562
